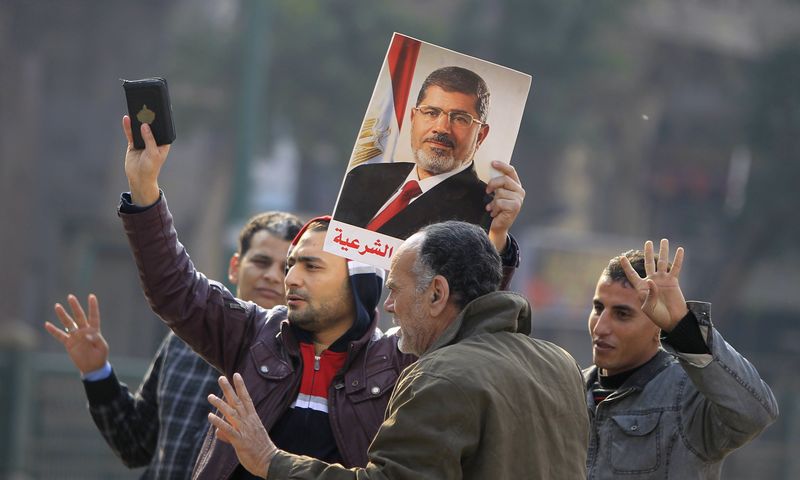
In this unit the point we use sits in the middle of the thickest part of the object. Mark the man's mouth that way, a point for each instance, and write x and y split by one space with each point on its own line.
602 346
440 141
268 292
293 299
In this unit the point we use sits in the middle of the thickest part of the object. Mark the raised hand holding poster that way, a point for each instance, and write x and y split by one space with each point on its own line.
436 120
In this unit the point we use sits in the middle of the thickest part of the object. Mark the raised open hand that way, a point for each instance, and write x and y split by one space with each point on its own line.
143 166
660 291
81 335
242 427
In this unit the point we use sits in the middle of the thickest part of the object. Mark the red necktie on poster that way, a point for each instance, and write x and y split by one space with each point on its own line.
409 191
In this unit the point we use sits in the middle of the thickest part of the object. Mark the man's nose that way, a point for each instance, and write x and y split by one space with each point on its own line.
442 123
603 324
274 273
388 305
292 277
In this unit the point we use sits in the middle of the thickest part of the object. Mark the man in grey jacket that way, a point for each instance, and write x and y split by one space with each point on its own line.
484 400
672 413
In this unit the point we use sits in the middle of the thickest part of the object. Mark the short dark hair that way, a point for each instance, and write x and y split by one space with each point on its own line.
318 225
461 80
279 224
615 272
462 253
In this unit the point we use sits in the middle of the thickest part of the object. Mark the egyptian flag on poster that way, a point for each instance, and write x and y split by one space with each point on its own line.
382 123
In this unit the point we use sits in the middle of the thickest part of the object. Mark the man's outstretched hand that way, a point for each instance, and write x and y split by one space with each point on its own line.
81 334
241 427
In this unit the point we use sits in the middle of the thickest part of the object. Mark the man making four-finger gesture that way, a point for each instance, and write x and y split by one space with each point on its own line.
671 412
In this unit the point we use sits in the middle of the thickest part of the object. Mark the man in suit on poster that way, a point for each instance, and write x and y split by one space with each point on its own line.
448 124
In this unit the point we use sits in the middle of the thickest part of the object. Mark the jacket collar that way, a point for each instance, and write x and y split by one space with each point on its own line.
494 312
353 340
640 378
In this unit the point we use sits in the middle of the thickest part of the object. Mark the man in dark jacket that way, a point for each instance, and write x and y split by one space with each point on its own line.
484 400
163 424
318 368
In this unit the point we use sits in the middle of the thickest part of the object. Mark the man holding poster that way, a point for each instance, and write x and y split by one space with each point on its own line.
484 400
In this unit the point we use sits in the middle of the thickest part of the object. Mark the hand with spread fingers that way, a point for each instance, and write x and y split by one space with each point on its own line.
242 427
81 335
660 291
506 205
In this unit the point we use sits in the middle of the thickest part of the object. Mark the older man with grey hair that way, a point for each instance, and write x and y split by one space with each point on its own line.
484 400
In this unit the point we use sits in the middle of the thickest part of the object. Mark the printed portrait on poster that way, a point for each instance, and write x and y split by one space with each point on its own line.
436 120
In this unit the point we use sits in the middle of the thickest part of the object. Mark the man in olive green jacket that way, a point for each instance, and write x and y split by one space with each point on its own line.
484 400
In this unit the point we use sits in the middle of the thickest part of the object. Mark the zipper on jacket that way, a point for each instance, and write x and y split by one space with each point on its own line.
617 395
307 413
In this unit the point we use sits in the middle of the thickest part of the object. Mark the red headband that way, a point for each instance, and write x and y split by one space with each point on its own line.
296 239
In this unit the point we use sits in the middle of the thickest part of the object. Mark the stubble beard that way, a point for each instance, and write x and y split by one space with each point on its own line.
420 334
401 345
438 161
306 319
317 318
435 163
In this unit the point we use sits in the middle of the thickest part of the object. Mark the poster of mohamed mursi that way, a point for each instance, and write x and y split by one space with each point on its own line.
436 120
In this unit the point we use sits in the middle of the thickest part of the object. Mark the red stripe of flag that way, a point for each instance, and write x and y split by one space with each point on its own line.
402 58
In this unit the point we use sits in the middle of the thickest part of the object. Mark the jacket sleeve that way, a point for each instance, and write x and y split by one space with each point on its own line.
510 260
203 313
129 423
733 405
419 440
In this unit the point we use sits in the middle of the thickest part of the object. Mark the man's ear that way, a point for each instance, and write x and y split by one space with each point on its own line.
233 269
439 292
483 133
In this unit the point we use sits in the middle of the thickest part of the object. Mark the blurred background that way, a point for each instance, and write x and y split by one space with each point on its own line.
646 119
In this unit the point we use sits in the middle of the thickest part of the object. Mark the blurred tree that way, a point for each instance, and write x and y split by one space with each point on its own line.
324 59
565 47
765 228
